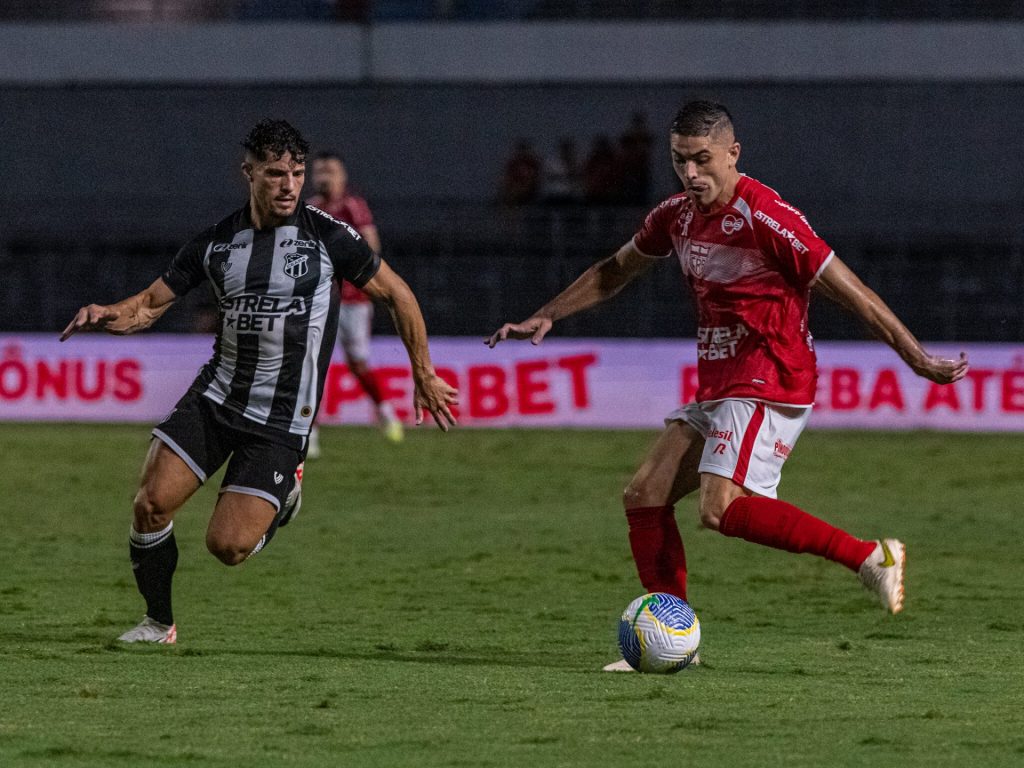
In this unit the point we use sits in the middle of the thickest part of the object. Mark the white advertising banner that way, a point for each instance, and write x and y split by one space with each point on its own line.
575 383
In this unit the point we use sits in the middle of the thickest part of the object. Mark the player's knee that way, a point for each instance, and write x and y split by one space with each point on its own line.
149 513
224 549
632 497
711 511
641 492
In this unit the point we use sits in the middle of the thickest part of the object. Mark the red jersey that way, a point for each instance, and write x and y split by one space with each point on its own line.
750 267
354 211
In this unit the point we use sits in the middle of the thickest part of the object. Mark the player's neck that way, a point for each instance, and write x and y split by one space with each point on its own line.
264 219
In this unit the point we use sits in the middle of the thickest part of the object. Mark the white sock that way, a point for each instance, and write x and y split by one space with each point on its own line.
147 540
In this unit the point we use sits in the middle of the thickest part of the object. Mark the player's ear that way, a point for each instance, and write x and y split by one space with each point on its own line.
734 152
247 171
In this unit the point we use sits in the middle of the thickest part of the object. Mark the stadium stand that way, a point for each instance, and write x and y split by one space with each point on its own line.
954 269
491 10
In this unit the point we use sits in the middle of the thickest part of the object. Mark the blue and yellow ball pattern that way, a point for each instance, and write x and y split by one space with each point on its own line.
659 633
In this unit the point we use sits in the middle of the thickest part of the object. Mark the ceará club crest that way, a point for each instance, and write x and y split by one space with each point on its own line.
296 265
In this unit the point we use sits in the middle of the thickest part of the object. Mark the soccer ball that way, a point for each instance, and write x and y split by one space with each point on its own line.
658 632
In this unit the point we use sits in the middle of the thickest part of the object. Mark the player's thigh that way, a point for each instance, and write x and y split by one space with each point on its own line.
190 445
256 483
167 483
747 444
669 470
354 324
238 523
197 433
263 470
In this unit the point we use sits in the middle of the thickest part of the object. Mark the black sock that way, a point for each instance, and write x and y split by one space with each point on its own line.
154 563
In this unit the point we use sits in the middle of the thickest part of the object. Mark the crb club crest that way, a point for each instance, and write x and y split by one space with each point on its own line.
731 224
698 258
296 265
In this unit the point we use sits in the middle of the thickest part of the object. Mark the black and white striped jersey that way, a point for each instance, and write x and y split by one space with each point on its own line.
277 312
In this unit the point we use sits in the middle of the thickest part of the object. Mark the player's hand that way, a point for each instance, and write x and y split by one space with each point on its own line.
534 329
434 394
943 370
90 318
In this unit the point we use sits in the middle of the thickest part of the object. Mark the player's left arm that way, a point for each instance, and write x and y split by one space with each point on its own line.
839 283
136 313
432 392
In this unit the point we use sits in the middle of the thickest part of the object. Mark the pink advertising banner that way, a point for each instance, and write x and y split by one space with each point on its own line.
604 383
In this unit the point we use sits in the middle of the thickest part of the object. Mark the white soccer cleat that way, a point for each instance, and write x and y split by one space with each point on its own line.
618 666
293 501
623 666
883 573
150 631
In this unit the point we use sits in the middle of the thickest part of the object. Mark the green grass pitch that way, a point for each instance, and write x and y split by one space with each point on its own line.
450 602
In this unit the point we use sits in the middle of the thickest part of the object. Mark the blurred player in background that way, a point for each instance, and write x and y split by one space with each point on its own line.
355 323
271 264
751 260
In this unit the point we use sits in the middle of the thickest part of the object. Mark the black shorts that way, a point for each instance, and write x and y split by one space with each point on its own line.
204 435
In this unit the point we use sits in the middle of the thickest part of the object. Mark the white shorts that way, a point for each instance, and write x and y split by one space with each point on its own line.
354 323
745 440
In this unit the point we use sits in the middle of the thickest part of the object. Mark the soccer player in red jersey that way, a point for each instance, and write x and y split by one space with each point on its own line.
751 260
355 321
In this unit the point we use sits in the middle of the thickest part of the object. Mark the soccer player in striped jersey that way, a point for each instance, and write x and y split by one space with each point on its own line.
751 261
271 264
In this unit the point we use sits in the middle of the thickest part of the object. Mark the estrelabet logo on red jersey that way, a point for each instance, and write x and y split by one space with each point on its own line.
731 224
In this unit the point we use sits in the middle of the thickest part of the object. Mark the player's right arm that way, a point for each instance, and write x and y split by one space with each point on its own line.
839 283
136 313
599 283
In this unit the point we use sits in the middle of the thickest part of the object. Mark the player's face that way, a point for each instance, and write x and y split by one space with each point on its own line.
329 177
707 167
275 184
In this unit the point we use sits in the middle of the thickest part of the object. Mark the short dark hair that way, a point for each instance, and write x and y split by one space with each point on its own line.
273 138
329 154
701 118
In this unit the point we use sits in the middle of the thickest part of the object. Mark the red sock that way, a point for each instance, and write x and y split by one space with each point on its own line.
369 384
775 523
657 549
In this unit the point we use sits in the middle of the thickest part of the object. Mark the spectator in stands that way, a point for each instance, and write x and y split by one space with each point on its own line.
272 10
600 173
635 161
520 184
560 184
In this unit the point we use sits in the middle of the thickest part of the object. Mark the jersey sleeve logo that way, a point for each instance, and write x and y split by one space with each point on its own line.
328 216
296 265
781 231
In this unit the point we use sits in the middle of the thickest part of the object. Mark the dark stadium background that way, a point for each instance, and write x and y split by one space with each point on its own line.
906 157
